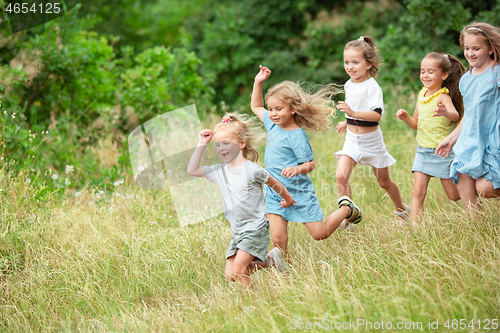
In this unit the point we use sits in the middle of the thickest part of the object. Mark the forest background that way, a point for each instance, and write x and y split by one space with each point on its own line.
73 88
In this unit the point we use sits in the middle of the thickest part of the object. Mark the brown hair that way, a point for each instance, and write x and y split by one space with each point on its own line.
245 130
313 110
455 69
489 33
370 52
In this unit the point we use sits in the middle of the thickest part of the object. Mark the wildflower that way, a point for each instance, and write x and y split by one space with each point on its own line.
69 168
13 117
67 182
116 183
28 180
141 168
160 175
77 193
97 195
54 176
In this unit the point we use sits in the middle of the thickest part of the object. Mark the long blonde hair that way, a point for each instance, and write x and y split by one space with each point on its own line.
313 110
246 130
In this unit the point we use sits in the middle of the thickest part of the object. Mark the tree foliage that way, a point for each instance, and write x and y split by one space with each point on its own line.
106 66
77 85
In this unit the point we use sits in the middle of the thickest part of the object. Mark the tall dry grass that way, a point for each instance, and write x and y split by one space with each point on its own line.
121 263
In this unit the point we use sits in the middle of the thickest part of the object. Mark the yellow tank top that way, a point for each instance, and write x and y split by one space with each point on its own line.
431 130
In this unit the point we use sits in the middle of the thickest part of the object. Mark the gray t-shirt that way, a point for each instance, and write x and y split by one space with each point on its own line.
241 192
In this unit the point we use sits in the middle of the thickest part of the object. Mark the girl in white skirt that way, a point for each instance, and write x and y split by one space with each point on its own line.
363 108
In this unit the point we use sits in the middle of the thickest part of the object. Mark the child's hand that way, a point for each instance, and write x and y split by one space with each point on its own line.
440 111
289 172
343 107
263 75
403 114
444 148
341 126
284 203
205 136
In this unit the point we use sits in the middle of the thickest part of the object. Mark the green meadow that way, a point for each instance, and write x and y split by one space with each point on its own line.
84 249
119 262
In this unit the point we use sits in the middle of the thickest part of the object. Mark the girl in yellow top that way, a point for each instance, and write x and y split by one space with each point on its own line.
438 110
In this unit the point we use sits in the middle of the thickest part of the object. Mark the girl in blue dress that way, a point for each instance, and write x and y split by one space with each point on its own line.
289 157
476 140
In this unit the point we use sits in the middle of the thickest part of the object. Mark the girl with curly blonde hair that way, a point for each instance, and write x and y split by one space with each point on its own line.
289 157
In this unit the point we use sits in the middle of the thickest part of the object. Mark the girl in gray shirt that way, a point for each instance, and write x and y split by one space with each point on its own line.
240 182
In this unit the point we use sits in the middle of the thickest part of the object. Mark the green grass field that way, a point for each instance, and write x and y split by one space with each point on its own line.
121 262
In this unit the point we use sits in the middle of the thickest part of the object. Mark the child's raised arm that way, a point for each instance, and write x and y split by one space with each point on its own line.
281 190
257 102
405 116
194 168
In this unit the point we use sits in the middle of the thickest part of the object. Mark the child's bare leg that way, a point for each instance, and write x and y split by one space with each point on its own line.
279 232
321 230
228 271
450 189
344 170
237 267
421 182
468 193
255 266
385 182
485 188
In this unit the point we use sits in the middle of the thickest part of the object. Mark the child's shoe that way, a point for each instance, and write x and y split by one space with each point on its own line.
356 215
277 259
404 214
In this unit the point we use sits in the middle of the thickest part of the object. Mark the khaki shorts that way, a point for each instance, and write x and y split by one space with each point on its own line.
254 242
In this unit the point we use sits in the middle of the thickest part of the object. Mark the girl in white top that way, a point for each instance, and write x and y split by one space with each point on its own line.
363 108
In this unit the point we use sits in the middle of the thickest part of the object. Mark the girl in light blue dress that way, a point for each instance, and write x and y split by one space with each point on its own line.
289 157
476 140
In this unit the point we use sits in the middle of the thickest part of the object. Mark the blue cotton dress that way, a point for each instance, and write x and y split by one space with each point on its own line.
289 149
477 150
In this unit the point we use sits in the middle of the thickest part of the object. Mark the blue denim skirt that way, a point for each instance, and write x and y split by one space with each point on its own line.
433 165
